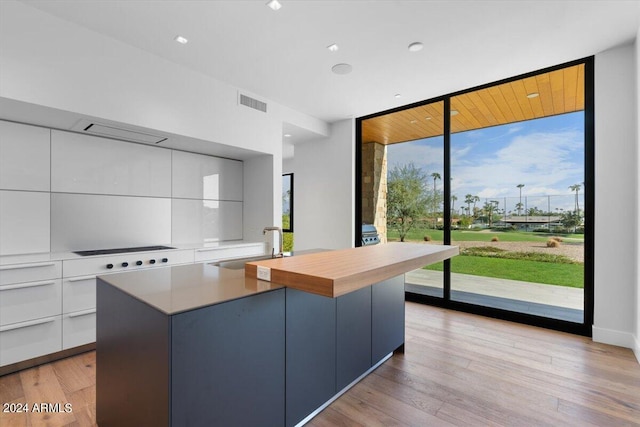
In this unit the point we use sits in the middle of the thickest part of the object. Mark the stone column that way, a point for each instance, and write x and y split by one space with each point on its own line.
374 187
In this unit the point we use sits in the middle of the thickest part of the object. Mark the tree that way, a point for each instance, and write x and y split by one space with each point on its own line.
475 200
576 188
570 220
489 208
453 209
519 205
468 199
407 197
435 176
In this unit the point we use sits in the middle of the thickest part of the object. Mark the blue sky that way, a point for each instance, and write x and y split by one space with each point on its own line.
546 155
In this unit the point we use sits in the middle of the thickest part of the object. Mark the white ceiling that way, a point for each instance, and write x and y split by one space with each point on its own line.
282 56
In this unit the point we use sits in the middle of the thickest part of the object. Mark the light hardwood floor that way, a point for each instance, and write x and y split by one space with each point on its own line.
458 369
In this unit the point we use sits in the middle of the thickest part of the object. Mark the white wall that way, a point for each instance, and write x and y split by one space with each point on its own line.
324 190
616 194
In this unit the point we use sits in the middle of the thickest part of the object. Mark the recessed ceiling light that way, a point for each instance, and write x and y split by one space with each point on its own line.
333 47
181 40
533 95
287 135
397 95
427 118
454 112
342 68
415 47
274 4
413 122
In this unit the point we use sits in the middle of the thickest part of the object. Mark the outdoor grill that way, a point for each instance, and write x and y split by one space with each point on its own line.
369 235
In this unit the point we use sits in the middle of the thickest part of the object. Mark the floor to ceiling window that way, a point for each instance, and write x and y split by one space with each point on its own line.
503 171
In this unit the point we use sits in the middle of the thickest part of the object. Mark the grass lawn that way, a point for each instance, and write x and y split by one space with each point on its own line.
477 236
527 271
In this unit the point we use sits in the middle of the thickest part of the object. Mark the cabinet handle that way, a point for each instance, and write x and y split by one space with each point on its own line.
22 266
80 278
81 313
27 324
208 249
26 285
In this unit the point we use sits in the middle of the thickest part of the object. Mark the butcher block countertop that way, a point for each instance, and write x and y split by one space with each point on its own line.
335 273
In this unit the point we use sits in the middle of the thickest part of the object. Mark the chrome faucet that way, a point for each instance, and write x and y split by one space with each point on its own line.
280 254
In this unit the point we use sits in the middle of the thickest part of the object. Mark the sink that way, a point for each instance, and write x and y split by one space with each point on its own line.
238 264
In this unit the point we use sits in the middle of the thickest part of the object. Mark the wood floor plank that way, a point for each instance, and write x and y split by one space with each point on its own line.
457 369
406 413
11 388
329 417
41 387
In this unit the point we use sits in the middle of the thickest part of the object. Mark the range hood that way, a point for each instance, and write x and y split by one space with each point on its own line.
117 132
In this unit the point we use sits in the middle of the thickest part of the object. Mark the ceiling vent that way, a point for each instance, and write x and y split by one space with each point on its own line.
253 103
111 131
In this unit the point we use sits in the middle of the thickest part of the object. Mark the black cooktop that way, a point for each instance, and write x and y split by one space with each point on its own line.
121 250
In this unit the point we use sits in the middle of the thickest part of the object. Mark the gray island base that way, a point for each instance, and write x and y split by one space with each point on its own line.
200 345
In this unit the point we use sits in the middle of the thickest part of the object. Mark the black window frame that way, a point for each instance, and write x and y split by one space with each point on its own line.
584 328
290 228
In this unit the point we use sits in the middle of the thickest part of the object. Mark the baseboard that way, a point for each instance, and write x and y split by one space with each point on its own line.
636 348
613 337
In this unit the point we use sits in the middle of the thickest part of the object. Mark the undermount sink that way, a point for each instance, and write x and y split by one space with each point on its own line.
238 264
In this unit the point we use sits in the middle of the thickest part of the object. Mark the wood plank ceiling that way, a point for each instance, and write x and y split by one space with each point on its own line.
558 92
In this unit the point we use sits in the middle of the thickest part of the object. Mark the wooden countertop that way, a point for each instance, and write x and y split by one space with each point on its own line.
339 272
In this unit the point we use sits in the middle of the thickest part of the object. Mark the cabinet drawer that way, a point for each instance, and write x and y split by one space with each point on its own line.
78 328
26 340
31 272
79 293
32 300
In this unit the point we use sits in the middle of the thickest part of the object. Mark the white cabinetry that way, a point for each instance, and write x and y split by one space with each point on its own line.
78 311
196 176
204 221
230 252
24 157
24 222
30 311
93 165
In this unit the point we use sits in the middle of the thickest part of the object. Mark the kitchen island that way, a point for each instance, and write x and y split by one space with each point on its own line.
204 345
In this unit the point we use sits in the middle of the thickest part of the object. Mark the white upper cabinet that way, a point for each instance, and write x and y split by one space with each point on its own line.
24 222
197 176
24 157
94 165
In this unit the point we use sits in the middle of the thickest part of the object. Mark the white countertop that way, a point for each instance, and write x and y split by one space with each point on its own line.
62 256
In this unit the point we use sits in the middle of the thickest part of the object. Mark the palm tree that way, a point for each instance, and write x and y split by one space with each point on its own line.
520 204
576 188
475 200
435 176
453 203
468 199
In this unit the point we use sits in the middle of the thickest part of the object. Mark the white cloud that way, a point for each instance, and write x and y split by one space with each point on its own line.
546 163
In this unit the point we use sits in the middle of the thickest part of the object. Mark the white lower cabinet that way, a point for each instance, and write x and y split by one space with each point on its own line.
78 328
21 302
30 311
78 311
79 293
26 340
